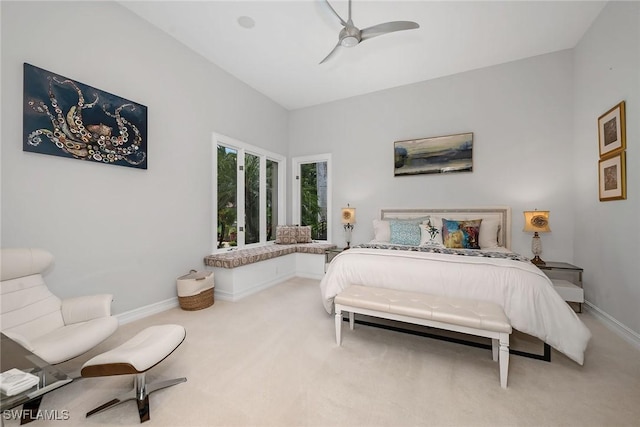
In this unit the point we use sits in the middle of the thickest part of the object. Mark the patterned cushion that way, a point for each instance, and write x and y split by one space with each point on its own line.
286 235
461 234
431 232
304 234
241 257
404 233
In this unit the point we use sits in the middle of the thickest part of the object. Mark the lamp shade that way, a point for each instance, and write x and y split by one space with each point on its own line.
536 221
348 215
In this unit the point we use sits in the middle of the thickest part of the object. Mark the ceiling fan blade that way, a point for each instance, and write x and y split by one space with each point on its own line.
387 27
336 13
331 53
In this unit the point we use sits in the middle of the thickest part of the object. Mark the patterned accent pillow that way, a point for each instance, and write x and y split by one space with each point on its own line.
405 233
304 234
431 232
286 234
461 234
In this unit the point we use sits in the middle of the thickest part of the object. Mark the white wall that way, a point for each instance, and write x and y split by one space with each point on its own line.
520 114
116 229
132 232
607 236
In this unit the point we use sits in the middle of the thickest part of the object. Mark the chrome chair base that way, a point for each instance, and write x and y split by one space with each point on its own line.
140 393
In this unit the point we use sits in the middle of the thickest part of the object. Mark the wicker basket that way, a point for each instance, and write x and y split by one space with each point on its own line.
195 290
197 302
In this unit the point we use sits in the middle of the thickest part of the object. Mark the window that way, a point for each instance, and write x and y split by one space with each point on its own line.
312 194
250 193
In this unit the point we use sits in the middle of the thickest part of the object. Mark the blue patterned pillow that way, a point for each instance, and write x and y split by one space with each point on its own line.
461 234
405 233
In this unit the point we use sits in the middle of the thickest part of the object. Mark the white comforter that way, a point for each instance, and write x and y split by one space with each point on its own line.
525 293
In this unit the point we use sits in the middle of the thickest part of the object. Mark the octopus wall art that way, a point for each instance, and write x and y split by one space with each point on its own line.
63 117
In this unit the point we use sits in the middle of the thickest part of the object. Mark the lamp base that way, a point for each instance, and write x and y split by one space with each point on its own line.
538 261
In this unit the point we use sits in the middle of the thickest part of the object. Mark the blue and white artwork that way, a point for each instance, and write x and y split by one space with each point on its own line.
63 117
441 154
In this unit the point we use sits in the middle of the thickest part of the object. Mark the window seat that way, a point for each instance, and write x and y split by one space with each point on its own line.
242 272
239 257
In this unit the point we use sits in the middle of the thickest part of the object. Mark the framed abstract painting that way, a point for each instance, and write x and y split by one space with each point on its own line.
63 117
441 154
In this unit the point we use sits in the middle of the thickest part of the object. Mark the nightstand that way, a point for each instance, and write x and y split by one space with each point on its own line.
567 281
329 254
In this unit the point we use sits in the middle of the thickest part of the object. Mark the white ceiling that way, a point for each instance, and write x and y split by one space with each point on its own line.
279 56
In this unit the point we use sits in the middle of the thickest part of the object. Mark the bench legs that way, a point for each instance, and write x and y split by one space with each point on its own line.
500 350
499 346
338 320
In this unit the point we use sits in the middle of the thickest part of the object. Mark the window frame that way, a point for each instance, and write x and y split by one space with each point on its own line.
296 163
242 149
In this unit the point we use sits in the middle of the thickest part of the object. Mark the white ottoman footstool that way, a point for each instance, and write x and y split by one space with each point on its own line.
136 356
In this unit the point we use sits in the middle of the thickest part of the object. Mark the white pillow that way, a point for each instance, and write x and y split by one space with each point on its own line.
489 229
431 235
381 231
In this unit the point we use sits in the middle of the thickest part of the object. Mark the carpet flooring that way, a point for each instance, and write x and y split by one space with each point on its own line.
271 360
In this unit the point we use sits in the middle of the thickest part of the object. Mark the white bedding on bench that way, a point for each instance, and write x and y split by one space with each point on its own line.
520 288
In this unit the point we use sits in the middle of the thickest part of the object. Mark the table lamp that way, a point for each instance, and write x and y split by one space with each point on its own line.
536 222
348 219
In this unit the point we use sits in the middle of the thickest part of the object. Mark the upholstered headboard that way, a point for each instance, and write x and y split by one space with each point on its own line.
500 213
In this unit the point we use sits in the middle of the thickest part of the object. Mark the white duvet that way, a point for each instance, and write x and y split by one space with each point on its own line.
526 294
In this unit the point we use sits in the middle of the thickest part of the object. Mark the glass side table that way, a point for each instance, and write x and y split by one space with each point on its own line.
567 280
51 378
330 254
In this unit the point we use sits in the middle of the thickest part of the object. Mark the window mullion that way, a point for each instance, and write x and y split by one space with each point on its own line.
297 203
263 198
240 199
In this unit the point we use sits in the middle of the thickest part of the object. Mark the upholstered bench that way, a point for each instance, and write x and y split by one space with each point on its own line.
136 356
480 318
240 257
242 272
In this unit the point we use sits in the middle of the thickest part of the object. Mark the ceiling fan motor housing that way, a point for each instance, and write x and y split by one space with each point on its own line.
349 36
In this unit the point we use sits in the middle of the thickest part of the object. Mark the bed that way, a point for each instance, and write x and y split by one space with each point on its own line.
396 260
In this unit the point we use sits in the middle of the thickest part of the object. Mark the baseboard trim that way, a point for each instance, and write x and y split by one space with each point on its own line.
159 307
309 275
260 287
147 310
614 325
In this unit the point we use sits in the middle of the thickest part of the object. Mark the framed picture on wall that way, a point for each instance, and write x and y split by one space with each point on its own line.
612 178
440 154
611 131
66 118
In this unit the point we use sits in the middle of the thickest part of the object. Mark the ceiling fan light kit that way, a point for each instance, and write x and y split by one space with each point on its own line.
348 37
351 36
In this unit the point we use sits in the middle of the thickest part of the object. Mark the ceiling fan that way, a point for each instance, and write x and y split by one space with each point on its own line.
351 35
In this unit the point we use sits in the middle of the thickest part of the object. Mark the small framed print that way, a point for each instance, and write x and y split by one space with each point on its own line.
611 131
612 177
